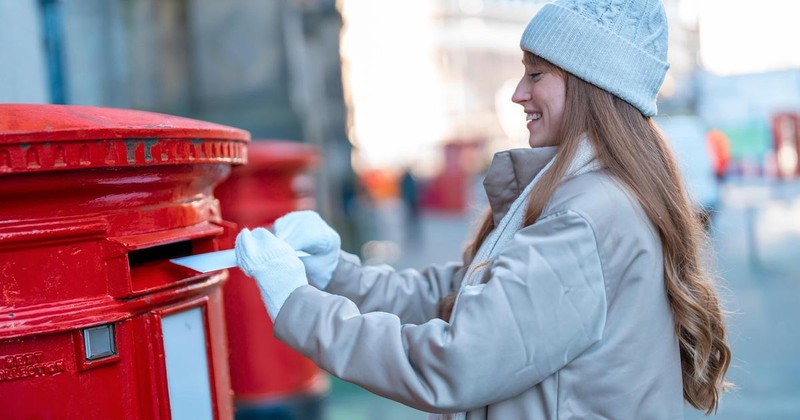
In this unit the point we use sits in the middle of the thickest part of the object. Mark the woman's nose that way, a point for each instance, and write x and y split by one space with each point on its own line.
520 94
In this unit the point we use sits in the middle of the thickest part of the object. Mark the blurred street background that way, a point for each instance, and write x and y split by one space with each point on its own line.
407 101
755 238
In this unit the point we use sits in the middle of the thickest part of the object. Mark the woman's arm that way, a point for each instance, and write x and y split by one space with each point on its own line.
410 294
544 304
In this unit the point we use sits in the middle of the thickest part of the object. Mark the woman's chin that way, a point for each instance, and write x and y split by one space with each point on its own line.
539 141
534 143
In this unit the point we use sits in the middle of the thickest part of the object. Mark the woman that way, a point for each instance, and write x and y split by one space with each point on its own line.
584 293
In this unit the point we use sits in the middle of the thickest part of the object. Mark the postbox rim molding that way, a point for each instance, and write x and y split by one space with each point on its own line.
84 313
151 238
52 122
52 231
79 229
48 155
43 137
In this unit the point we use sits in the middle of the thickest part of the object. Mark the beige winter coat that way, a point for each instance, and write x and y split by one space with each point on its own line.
571 321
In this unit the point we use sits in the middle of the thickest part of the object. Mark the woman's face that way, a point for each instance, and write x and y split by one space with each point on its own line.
542 93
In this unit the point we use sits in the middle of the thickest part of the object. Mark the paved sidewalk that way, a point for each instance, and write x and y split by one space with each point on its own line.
441 238
757 242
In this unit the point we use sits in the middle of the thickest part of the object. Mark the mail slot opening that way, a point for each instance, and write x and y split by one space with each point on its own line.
150 267
164 252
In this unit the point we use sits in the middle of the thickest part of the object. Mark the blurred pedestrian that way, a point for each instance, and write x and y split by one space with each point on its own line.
584 293
409 191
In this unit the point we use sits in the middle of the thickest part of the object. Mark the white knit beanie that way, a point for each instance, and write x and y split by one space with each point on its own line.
617 45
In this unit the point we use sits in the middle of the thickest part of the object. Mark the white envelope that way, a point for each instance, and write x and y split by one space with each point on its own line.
212 261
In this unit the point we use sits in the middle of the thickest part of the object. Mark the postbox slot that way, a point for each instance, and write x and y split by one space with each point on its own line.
150 268
147 256
159 253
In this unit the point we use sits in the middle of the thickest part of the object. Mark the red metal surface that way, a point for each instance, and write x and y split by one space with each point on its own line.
84 192
786 138
447 192
263 369
35 138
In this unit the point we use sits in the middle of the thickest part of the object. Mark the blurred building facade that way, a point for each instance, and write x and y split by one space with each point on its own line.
268 66
274 68
415 95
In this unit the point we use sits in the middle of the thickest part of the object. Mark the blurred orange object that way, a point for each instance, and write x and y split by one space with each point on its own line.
720 148
381 184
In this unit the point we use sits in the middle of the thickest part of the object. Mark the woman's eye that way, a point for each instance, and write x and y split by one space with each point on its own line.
534 75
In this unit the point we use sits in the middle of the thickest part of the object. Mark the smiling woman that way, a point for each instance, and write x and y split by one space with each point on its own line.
583 295
542 93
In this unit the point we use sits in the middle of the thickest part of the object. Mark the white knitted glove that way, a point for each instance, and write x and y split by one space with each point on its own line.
306 231
272 263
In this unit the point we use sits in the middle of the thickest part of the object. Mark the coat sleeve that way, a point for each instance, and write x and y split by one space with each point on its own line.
410 294
543 305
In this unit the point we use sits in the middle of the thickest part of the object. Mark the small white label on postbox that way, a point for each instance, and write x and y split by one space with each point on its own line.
99 342
187 365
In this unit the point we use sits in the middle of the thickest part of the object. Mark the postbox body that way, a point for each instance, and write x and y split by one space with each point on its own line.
786 138
95 322
267 376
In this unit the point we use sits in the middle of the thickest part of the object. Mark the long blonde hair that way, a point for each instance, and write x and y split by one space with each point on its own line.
633 150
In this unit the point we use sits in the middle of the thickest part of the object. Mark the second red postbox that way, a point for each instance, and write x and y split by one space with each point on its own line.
786 141
270 380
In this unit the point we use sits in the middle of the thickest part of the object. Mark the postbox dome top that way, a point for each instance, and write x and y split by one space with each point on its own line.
273 153
42 122
40 137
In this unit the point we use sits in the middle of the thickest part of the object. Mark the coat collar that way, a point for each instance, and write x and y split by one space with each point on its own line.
510 172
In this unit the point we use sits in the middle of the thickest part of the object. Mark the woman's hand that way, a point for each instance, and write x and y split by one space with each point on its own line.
272 263
306 231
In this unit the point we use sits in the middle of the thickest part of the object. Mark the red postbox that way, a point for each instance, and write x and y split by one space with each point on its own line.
268 377
95 323
449 190
786 137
